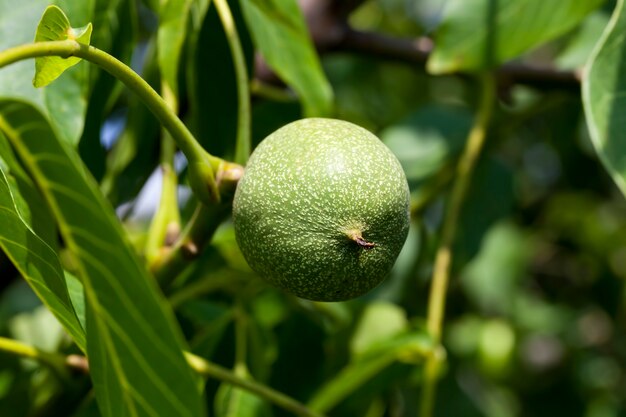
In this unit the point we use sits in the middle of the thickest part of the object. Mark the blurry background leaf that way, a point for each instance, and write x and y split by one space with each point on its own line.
479 34
212 88
581 43
115 31
235 402
171 35
281 35
426 140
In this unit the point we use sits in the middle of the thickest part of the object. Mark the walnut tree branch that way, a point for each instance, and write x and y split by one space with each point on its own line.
331 33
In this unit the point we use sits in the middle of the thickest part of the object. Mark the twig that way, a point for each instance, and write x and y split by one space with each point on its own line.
443 259
203 367
243 143
332 33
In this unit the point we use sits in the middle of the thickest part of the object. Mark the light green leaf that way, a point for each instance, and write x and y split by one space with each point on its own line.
409 347
36 262
478 34
133 343
581 44
280 33
63 103
171 36
604 97
380 321
235 402
54 26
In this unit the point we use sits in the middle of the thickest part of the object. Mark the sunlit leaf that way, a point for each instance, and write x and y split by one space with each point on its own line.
604 97
36 262
133 343
54 26
63 103
478 34
280 33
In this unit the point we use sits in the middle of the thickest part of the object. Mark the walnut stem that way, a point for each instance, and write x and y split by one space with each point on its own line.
356 236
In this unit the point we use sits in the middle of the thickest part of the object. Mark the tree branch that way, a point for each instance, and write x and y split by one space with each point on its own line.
417 51
331 33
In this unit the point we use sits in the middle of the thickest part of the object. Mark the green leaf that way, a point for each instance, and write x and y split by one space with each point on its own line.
408 347
36 262
280 33
64 102
379 321
171 36
212 88
478 34
235 402
428 139
28 199
54 26
133 343
604 97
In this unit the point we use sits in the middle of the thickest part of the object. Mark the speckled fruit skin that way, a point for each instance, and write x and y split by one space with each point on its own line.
306 188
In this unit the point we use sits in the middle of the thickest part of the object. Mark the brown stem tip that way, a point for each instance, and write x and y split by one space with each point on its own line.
355 236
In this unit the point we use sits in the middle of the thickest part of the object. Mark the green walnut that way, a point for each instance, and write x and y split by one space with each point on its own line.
322 209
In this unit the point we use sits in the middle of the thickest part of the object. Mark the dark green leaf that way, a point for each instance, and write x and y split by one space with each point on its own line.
172 30
478 34
280 33
54 26
133 343
604 97
37 263
212 88
115 28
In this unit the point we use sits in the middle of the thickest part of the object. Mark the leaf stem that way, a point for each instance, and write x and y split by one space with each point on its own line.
201 366
204 186
165 225
207 368
56 362
443 259
242 145
199 230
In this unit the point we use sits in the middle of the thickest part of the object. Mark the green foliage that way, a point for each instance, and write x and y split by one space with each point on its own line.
535 299
54 26
37 263
123 346
280 34
603 88
480 34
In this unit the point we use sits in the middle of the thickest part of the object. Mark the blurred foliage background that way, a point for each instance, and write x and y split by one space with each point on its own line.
535 315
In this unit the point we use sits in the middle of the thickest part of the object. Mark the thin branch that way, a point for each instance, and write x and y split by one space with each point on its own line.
61 363
443 259
331 33
199 230
58 363
417 51
243 143
206 368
